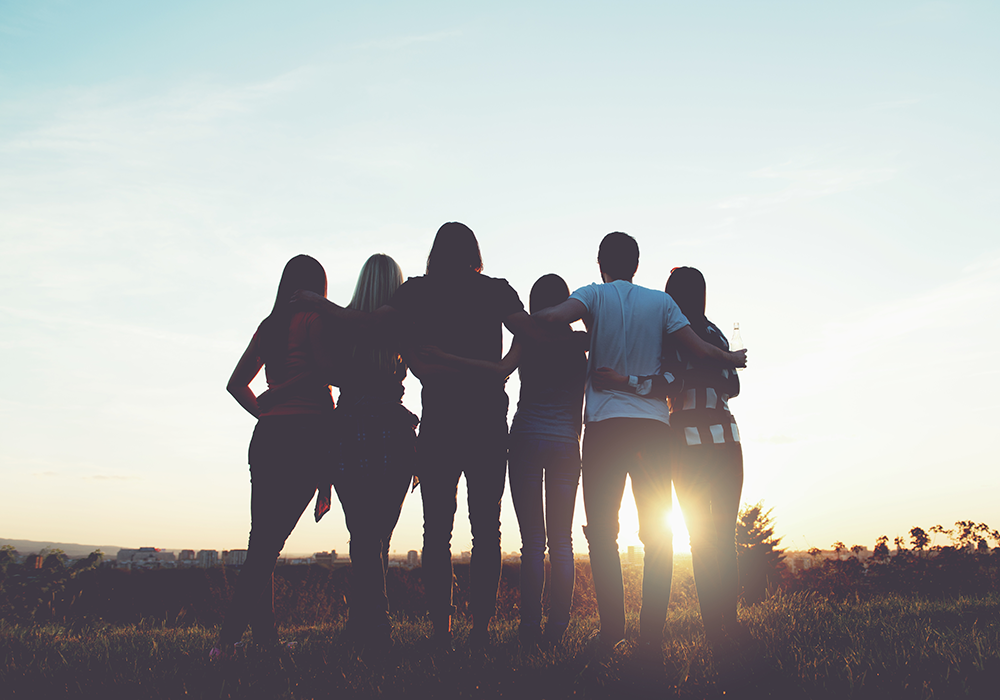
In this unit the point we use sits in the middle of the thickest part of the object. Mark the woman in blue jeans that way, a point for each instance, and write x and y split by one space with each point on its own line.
545 447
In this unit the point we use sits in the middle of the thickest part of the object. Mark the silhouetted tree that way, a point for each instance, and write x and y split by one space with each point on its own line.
919 538
760 561
881 551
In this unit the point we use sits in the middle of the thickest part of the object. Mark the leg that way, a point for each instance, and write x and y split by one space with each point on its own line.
486 481
278 498
438 493
652 492
371 502
692 479
526 492
562 478
726 491
604 470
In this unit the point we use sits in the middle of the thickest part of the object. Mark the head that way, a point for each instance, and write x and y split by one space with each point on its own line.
548 290
455 250
618 256
301 272
686 286
379 279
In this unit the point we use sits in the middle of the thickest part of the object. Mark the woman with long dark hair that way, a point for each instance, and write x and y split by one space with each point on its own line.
288 450
708 461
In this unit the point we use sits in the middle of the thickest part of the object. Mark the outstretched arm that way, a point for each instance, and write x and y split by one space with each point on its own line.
383 320
239 383
702 350
432 355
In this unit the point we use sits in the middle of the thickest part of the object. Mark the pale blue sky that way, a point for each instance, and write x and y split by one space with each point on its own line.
832 170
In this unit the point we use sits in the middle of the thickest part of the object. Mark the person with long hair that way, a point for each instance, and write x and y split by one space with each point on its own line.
288 450
374 452
708 464
463 428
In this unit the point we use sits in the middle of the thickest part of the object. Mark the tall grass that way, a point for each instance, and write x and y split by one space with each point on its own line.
799 646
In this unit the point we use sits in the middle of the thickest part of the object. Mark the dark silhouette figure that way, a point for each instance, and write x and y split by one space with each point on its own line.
708 464
545 449
288 451
374 453
627 434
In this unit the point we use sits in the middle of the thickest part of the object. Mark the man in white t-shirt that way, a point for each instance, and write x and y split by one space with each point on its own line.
628 434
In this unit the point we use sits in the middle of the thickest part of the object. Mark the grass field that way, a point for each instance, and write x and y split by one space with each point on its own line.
800 646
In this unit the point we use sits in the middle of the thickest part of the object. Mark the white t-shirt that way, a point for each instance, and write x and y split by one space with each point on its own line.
627 324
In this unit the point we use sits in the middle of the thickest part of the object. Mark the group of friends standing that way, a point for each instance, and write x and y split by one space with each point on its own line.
646 360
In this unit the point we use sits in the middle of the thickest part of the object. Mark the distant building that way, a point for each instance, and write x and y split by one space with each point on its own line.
235 557
327 559
634 554
33 561
188 555
413 559
208 558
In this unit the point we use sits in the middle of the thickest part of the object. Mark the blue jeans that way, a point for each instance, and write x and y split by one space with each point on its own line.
709 480
613 449
530 461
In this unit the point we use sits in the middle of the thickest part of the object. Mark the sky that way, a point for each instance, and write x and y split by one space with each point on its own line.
830 167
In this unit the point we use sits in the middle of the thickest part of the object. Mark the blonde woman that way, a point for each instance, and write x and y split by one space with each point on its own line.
374 446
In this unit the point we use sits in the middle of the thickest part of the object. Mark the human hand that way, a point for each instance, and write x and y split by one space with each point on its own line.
606 378
740 357
266 401
306 299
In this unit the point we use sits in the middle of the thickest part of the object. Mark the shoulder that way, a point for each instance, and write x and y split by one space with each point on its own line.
588 293
412 288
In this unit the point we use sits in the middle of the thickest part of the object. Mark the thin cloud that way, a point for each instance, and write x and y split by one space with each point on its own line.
396 43
109 477
805 183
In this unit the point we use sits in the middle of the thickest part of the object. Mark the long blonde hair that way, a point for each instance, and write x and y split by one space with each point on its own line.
379 279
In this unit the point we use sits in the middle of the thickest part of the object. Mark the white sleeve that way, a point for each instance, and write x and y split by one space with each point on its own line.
673 319
586 296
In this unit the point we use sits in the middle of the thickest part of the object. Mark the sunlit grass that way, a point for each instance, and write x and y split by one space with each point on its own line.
799 646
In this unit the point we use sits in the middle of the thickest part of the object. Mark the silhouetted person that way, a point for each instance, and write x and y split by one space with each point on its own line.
374 452
463 428
708 458
627 434
545 449
708 466
288 451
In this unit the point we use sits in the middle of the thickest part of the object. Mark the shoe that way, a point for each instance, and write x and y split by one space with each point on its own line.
479 638
553 635
649 653
603 645
529 636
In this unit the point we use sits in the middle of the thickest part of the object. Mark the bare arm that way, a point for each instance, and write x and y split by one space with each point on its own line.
702 350
433 355
562 314
383 320
239 383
